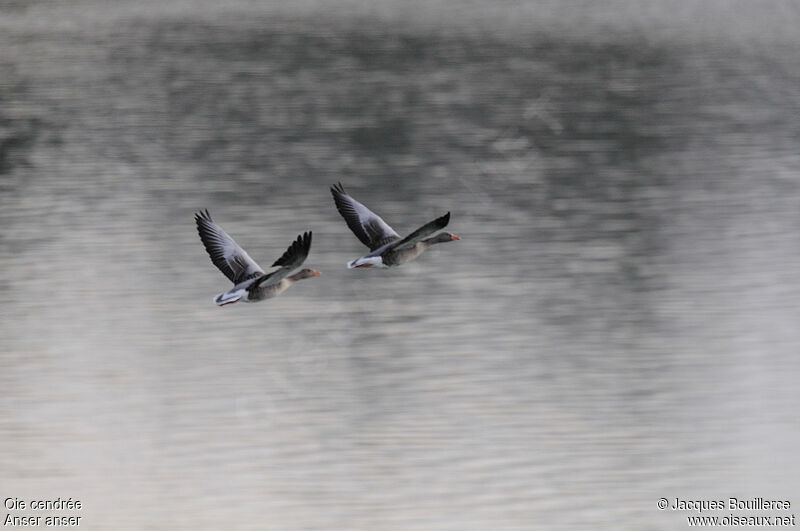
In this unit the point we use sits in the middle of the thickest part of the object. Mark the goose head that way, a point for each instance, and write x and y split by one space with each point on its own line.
305 273
442 237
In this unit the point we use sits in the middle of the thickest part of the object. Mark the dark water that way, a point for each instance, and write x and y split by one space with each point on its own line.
618 323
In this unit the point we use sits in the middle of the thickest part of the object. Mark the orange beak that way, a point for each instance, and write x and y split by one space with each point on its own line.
315 272
454 237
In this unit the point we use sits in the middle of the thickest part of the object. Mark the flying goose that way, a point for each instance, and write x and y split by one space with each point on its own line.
386 247
251 284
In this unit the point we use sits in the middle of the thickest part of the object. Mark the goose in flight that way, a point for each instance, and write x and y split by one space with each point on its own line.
251 284
386 247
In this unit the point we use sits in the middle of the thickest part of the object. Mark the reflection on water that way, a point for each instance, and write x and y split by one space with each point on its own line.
618 323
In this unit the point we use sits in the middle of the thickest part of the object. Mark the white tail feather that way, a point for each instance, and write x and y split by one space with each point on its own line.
366 261
229 297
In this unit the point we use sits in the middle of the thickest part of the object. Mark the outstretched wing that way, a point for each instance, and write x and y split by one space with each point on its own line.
290 260
225 253
365 224
423 231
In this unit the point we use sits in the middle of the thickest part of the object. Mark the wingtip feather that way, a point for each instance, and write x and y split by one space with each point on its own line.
202 215
301 245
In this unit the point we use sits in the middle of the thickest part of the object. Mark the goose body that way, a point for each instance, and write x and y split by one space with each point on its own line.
251 283
387 248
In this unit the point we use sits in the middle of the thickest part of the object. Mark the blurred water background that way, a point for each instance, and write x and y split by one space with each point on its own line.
619 322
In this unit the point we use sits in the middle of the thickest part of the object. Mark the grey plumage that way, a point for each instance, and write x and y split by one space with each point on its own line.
386 247
251 284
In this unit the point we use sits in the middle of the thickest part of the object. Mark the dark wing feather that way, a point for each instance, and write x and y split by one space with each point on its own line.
368 227
296 253
225 253
423 231
294 256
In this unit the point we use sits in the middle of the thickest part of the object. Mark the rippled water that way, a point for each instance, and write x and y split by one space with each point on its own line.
618 323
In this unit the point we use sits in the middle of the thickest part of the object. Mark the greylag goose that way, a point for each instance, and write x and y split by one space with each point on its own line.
386 247
251 284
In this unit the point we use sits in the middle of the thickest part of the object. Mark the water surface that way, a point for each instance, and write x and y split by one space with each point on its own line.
618 323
